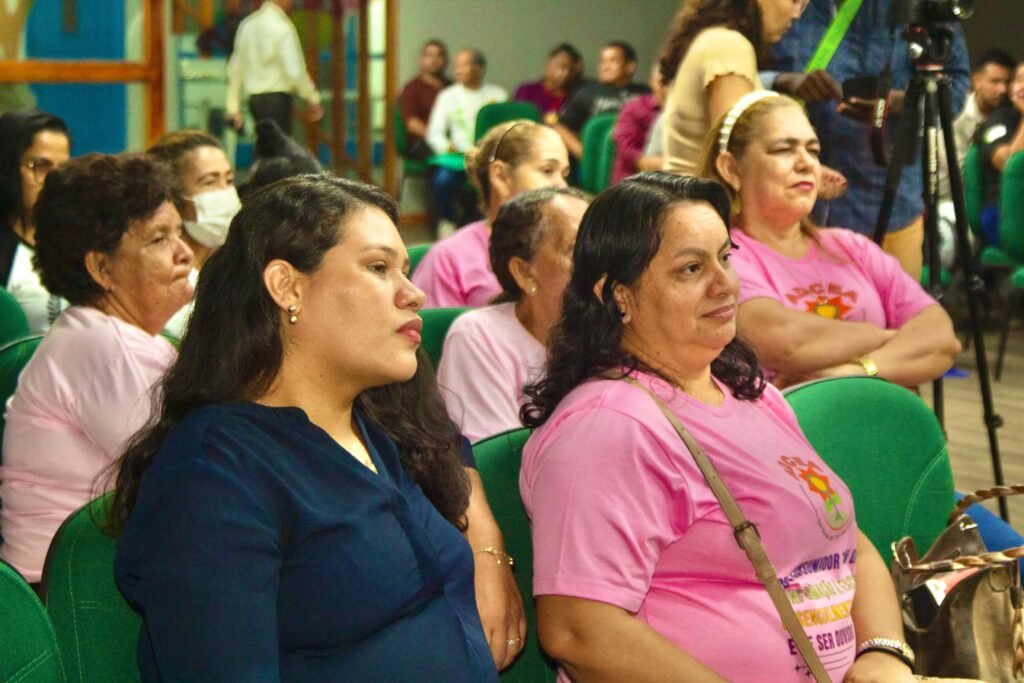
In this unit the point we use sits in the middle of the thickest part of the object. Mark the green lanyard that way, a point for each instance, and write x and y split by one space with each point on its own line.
833 36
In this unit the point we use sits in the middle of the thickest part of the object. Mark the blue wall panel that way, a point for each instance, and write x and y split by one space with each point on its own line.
95 113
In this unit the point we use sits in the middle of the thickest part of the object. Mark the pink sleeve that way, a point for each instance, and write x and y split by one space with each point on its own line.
902 297
116 403
605 501
478 392
751 271
438 279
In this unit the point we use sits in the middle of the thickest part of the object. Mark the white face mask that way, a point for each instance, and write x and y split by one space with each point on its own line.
214 211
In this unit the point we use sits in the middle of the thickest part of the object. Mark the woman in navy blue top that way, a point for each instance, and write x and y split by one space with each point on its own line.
270 530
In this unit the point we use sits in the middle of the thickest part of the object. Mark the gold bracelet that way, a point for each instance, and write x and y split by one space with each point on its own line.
870 369
499 555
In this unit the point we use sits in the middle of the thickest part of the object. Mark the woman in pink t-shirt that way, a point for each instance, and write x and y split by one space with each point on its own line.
490 353
108 239
814 302
636 571
512 157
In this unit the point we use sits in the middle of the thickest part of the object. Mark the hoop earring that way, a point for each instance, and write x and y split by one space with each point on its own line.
292 317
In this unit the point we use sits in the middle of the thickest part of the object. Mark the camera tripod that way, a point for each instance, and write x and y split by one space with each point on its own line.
927 110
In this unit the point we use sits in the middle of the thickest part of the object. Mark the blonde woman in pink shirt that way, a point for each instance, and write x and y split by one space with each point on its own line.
490 353
512 157
108 239
814 302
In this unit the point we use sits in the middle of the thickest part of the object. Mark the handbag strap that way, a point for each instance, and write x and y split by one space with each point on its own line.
834 35
748 538
982 495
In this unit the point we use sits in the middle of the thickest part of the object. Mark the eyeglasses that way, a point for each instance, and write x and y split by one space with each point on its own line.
40 168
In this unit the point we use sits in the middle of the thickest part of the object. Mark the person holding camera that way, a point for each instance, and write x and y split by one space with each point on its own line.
842 116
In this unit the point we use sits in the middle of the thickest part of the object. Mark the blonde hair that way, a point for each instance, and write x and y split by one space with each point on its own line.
511 142
745 130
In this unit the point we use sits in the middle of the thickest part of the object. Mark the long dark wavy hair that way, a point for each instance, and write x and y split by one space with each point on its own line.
619 236
694 16
413 414
232 349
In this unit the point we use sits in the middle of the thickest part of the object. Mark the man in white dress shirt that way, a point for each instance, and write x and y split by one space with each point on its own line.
268 64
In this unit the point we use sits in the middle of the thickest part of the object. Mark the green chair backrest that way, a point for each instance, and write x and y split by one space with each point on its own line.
498 459
409 166
595 166
888 447
401 134
436 322
416 254
13 357
974 187
13 323
492 114
28 645
1011 208
98 632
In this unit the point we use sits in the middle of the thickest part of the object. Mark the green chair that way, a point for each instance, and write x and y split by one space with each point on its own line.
1010 250
13 357
410 167
436 322
490 115
28 645
13 323
888 447
598 152
98 632
416 254
497 459
974 188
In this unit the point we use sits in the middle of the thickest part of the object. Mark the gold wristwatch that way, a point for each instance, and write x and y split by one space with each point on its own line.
870 369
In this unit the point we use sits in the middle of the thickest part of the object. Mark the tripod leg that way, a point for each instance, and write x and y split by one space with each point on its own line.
930 195
974 288
902 154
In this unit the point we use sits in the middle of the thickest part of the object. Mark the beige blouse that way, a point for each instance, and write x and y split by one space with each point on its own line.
716 51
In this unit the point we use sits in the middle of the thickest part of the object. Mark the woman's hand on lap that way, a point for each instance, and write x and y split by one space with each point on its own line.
501 609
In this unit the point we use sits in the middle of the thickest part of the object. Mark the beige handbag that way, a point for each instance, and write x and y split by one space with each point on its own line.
962 604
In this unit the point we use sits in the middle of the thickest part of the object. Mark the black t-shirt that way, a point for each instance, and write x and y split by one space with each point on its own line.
596 98
995 131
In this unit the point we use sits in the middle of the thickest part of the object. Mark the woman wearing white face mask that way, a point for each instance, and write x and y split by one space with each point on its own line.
204 184
204 189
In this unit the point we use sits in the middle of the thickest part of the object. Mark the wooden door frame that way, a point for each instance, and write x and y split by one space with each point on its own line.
149 72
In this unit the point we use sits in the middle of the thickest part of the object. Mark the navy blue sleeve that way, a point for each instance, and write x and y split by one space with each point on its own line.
466 451
201 556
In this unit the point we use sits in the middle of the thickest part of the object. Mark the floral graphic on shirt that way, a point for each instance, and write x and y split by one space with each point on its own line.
833 510
828 301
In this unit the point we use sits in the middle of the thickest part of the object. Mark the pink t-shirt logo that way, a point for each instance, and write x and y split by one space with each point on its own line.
833 512
826 301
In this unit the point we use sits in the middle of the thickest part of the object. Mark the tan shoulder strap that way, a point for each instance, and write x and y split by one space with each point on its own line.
748 538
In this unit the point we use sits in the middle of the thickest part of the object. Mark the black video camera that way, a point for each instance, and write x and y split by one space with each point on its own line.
930 11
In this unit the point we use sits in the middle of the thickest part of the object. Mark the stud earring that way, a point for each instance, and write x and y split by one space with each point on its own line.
532 290
292 317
